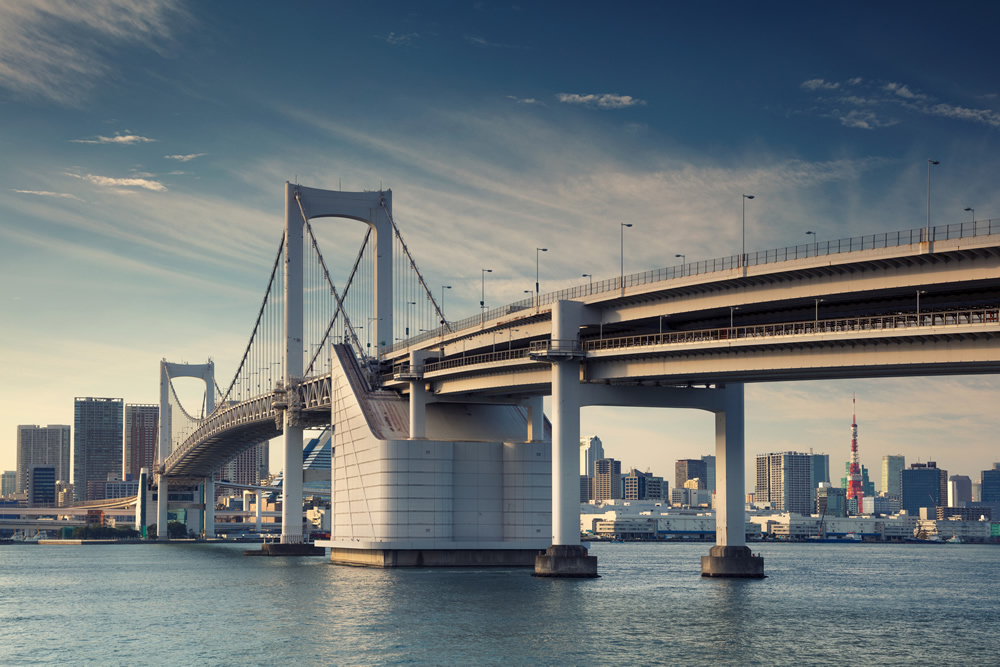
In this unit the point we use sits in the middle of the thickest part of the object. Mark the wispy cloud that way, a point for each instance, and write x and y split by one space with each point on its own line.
873 103
121 139
108 182
185 158
45 193
58 50
486 44
525 100
400 39
606 101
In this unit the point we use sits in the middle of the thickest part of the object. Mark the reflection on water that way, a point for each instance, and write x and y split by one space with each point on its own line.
208 604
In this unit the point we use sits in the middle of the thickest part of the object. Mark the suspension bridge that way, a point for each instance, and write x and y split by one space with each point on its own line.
441 452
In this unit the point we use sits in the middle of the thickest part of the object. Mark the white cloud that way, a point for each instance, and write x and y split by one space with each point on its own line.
59 50
123 139
394 39
44 193
606 101
855 81
524 100
819 84
903 91
185 158
479 41
861 119
108 182
983 116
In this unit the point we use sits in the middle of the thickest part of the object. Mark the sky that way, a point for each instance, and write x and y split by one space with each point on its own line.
145 147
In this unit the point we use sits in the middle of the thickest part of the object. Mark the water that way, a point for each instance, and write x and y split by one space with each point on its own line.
189 604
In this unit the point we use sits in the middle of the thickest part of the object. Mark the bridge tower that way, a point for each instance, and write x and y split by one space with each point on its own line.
168 371
302 204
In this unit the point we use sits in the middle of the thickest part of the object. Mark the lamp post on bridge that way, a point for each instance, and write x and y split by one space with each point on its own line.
816 239
816 320
743 234
732 309
969 208
929 163
408 304
537 251
622 274
683 261
510 336
591 276
919 292
444 320
482 296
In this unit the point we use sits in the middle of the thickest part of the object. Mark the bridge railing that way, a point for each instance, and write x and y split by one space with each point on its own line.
721 264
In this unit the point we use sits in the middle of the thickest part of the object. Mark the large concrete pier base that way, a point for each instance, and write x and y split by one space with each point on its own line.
278 549
566 561
388 558
732 562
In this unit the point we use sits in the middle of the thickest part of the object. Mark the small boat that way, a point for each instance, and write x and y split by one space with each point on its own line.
955 540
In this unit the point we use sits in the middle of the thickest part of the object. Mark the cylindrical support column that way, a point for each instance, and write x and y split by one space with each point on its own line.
162 500
209 524
291 507
730 556
730 497
536 419
260 506
418 410
566 453
291 485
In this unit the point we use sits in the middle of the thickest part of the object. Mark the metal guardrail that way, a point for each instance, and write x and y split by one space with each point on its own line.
802 251
901 321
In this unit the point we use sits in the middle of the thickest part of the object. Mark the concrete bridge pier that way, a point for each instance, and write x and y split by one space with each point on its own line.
162 502
566 557
208 525
730 557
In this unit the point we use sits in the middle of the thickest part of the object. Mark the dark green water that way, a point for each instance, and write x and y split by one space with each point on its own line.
208 604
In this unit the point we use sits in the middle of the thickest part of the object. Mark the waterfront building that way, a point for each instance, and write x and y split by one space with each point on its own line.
42 485
607 479
141 428
639 485
64 494
959 490
923 485
784 480
831 500
690 497
586 488
116 487
977 492
892 465
686 469
709 472
38 445
8 483
965 513
880 505
98 434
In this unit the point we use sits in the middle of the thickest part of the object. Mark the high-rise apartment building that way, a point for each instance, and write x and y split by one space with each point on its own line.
819 471
42 485
246 468
959 490
607 479
783 480
591 450
141 427
892 465
686 469
38 445
923 485
98 435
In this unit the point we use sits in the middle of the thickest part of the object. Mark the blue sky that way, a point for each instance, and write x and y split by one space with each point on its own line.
145 148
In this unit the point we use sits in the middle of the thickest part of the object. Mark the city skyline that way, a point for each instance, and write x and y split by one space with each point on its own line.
141 199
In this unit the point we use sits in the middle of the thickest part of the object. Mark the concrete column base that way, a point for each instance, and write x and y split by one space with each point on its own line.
277 549
732 562
566 561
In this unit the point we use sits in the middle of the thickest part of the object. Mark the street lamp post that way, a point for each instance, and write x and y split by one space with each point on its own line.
591 276
969 208
622 278
816 239
919 292
929 163
482 296
537 250
816 320
661 326
743 236
510 335
408 304
731 310
683 262
444 320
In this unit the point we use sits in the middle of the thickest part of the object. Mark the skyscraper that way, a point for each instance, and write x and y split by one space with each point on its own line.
989 489
639 485
710 471
98 430
959 490
892 465
8 485
141 424
686 469
923 485
819 471
37 445
591 450
607 479
783 479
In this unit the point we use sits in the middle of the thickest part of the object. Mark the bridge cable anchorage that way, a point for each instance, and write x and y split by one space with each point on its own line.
333 289
286 398
413 264
256 326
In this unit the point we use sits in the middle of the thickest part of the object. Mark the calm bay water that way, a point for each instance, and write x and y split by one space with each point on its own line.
189 604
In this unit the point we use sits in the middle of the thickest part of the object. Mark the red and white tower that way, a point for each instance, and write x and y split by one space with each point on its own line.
854 488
